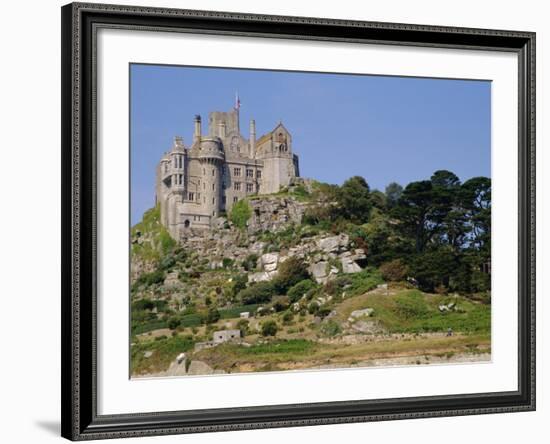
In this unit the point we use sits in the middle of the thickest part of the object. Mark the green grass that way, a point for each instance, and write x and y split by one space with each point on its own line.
234 312
164 351
411 311
291 346
159 241
138 329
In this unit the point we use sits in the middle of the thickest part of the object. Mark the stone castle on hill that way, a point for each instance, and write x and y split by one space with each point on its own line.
195 183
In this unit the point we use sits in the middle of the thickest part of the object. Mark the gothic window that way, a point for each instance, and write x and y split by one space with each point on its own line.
249 188
191 196
281 138
213 187
237 186
258 174
235 199
249 173
213 200
213 172
236 172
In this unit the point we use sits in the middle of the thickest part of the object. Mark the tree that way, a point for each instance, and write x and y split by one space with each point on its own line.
240 213
269 328
393 193
476 200
355 200
414 212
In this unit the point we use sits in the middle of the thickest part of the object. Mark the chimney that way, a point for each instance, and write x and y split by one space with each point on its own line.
197 135
252 138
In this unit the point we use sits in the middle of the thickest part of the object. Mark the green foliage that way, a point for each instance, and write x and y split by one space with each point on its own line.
250 262
240 213
148 279
393 193
354 199
212 316
269 328
298 346
164 351
244 326
227 262
394 270
331 328
411 304
257 293
290 272
235 311
300 289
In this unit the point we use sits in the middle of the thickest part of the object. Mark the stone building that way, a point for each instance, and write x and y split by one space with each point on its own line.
195 183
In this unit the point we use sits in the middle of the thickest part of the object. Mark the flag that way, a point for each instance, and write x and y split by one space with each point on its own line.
237 101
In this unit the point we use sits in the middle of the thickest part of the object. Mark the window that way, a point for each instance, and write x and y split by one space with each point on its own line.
198 196
213 187
258 174
237 186
249 173
236 172
191 196
204 185
249 188
213 172
166 167
213 200
199 182
235 199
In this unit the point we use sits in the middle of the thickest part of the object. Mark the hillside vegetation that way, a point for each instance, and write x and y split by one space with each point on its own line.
323 275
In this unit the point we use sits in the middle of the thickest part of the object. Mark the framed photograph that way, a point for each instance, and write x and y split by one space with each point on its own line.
278 221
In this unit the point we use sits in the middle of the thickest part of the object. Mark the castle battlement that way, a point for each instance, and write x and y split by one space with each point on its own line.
195 183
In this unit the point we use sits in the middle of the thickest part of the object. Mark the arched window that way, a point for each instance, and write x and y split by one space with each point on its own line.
186 223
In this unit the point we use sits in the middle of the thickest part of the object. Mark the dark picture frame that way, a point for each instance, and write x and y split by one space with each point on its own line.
80 420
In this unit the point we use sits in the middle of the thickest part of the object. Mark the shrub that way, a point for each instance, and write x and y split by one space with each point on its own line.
257 293
291 271
212 316
240 213
394 270
243 325
227 262
249 264
143 304
174 322
269 328
281 303
331 328
296 292
167 262
288 317
148 279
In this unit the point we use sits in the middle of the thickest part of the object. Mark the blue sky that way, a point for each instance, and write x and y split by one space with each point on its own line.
386 129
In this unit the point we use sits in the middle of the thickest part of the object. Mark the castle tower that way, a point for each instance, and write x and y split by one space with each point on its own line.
176 183
252 152
211 158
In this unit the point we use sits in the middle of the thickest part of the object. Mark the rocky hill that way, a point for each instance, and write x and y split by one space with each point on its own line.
264 290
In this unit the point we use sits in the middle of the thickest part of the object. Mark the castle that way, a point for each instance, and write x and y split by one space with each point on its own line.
195 183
